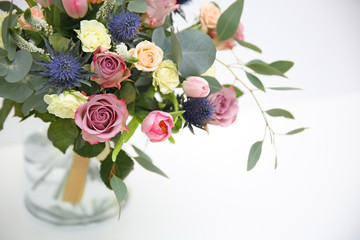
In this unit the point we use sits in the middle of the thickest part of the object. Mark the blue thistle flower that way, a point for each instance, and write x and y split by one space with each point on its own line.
64 69
124 26
197 112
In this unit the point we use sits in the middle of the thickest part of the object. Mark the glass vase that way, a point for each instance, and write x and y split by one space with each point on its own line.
52 184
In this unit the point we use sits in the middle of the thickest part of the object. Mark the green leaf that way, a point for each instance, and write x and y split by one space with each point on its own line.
146 162
160 40
255 81
124 137
36 102
284 88
127 92
35 81
15 91
238 92
4 66
282 66
85 149
214 85
229 20
295 131
138 6
119 188
59 42
278 112
9 43
4 111
45 116
254 155
198 52
176 114
62 133
5 6
264 69
20 67
249 45
120 168
176 49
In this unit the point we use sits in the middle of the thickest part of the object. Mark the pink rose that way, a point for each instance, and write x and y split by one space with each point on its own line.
229 43
157 10
76 8
157 126
36 12
111 70
226 107
196 87
102 118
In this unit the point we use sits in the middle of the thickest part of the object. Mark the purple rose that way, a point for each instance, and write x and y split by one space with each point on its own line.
102 118
111 70
226 107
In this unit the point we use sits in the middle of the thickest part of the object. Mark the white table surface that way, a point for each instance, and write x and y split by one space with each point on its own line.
313 195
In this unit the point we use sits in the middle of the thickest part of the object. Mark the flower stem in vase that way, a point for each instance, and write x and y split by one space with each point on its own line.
75 184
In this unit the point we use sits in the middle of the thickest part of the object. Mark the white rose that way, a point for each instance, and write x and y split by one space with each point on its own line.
166 77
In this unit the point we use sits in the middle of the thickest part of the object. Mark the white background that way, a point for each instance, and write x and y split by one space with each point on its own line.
314 193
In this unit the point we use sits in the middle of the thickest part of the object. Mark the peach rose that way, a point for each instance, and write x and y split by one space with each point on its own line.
150 56
209 16
36 12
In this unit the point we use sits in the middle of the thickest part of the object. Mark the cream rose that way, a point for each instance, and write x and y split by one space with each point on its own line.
166 77
209 16
92 35
65 104
149 55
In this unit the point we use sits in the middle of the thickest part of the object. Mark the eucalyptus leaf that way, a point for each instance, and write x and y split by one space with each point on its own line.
36 102
15 91
254 155
4 66
62 133
214 84
146 162
119 188
238 92
7 105
278 112
284 88
20 67
229 20
198 52
176 49
295 131
8 42
255 81
282 66
249 45
138 6
264 69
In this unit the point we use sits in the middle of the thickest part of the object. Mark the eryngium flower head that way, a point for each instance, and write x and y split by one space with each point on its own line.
197 112
64 69
124 26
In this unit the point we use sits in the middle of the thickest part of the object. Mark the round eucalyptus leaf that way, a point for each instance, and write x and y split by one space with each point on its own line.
20 67
4 66
17 92
198 52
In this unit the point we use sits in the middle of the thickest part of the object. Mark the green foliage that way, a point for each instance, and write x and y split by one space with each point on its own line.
254 155
138 6
146 162
9 44
198 52
62 133
5 6
284 88
263 68
214 84
59 42
85 149
20 67
4 66
282 66
36 102
278 112
255 81
176 49
17 92
124 137
4 111
249 45
127 92
119 188
120 168
238 92
229 20
295 131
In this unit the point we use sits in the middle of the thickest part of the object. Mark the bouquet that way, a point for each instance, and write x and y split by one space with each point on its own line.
96 70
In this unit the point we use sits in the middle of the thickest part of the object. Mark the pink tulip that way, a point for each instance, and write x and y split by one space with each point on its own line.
196 87
76 8
157 126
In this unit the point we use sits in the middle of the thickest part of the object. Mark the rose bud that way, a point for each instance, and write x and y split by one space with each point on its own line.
226 107
196 87
76 8
157 126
